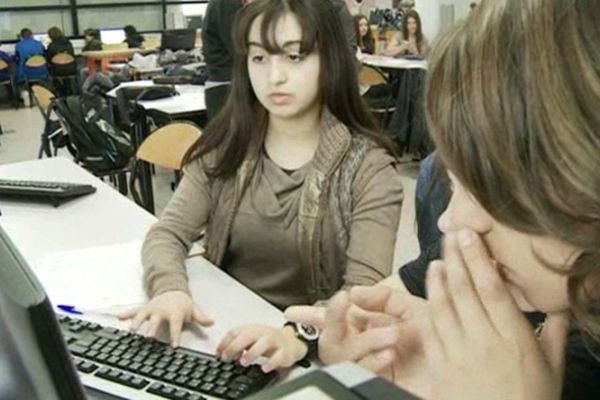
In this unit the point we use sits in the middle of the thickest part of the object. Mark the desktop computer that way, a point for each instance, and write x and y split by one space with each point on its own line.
178 39
112 36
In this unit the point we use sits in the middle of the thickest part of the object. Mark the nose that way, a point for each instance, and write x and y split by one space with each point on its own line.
445 221
277 74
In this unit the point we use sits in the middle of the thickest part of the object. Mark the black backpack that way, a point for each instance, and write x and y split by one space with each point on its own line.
99 145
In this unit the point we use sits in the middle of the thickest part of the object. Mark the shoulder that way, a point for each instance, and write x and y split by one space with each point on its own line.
376 161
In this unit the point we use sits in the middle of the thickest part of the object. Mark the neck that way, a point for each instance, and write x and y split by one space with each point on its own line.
299 128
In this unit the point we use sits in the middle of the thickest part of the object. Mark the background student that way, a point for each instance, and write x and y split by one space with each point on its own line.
132 37
411 40
25 49
299 194
59 43
514 241
364 35
92 40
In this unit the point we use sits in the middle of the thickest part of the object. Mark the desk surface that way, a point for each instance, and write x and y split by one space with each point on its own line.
100 54
108 218
190 99
393 63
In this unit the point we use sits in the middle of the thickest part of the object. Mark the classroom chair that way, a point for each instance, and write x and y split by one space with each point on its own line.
379 97
166 147
33 62
64 73
52 137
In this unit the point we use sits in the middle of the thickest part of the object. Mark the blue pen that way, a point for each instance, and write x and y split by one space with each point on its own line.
69 309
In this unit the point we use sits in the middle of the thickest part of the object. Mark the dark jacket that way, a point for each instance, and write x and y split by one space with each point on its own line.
93 45
217 43
60 45
135 40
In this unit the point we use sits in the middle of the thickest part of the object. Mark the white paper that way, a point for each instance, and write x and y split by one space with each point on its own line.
95 278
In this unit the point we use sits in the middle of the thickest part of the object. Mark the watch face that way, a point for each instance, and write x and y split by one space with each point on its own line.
309 332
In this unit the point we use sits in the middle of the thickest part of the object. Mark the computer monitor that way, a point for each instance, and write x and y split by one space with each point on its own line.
34 360
178 39
42 37
112 36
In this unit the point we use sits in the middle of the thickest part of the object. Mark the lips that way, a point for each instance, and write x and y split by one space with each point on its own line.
280 98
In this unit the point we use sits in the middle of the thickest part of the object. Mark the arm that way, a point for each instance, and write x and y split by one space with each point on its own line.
396 46
169 240
378 196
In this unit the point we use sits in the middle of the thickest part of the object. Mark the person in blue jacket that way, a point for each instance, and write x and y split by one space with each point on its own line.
5 73
26 48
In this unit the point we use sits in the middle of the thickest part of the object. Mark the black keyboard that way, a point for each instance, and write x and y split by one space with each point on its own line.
154 367
52 192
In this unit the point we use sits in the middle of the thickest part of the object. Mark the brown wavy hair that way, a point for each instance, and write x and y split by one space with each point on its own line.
368 42
513 104
241 125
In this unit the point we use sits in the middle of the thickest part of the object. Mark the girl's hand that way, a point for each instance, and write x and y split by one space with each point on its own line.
175 308
478 340
247 343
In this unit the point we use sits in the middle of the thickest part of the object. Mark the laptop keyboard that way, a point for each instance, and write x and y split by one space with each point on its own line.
152 366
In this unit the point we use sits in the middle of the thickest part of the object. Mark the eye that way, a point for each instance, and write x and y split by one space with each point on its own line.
295 58
257 58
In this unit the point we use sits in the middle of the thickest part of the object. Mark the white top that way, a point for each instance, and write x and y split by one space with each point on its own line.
106 218
393 63
190 99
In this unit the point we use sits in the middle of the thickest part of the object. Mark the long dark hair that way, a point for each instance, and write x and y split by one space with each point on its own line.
419 34
241 125
367 43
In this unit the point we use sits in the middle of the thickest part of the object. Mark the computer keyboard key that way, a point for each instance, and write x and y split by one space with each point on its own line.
87 367
234 394
137 383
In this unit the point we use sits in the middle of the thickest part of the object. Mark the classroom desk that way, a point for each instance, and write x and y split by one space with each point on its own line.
105 56
387 62
190 101
108 218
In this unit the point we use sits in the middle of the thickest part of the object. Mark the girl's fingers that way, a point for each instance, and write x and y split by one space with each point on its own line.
443 316
379 360
501 308
554 340
241 342
382 299
129 313
372 341
277 360
310 315
201 318
153 325
336 317
138 319
260 348
175 327
464 297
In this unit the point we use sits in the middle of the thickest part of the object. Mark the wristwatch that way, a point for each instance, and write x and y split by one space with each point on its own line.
308 334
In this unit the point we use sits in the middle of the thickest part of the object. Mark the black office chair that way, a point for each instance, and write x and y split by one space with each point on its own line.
53 137
64 74
379 97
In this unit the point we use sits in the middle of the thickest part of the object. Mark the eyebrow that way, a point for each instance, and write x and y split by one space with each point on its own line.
286 44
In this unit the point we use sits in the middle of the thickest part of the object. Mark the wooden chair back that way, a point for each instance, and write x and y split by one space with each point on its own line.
63 59
43 96
169 145
370 76
35 61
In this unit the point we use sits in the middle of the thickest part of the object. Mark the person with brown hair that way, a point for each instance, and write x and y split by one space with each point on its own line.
59 43
364 35
411 40
518 131
297 190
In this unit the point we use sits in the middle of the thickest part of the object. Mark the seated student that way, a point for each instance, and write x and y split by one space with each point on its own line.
25 49
59 43
92 40
409 41
132 37
299 194
522 227
364 35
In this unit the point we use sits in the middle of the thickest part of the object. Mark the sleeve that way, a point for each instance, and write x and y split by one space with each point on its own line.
414 273
169 240
375 217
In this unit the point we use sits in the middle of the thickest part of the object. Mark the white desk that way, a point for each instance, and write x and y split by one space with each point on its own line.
190 99
387 62
108 218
